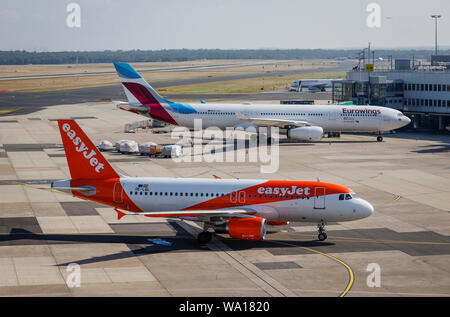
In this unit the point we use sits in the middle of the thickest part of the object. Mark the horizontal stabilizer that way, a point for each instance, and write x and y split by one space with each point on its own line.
132 107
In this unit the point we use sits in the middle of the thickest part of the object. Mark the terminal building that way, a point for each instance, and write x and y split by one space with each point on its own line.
420 92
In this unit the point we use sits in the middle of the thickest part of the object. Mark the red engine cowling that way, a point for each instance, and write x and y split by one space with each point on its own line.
247 228
277 223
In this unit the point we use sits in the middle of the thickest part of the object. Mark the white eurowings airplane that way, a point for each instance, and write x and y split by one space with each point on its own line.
302 122
238 207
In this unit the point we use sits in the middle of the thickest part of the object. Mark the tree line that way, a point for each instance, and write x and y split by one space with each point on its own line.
176 55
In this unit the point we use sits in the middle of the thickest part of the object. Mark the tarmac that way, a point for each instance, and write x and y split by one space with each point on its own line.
406 177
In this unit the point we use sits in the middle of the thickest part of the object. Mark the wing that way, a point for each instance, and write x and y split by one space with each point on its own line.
268 122
202 215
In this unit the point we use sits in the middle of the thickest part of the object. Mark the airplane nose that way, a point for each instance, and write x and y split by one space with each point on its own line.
407 120
366 209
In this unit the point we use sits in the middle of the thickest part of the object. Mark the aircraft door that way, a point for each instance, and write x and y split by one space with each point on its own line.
242 197
319 198
233 197
118 193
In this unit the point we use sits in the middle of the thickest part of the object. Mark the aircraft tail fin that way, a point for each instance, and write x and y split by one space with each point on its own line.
136 88
139 92
84 159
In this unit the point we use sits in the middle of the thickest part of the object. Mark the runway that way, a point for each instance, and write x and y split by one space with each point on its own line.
73 95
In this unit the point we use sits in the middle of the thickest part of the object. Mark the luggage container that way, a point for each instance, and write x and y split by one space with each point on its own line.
105 145
171 151
128 147
117 146
144 148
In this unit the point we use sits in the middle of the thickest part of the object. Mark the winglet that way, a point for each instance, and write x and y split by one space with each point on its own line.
120 214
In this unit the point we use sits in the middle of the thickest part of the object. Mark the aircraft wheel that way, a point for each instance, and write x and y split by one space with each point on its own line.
379 138
322 236
204 237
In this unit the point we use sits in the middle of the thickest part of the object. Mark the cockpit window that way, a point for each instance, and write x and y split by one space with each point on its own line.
348 196
354 196
341 197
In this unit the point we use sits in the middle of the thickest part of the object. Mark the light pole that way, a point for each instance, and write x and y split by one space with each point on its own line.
435 17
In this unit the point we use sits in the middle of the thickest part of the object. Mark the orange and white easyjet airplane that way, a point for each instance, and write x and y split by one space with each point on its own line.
239 207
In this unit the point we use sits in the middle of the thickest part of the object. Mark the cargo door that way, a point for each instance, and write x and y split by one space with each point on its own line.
319 198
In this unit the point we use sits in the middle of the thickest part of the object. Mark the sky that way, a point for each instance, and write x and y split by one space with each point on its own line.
41 25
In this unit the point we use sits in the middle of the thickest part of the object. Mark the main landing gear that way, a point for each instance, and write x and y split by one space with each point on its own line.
204 237
322 234
379 137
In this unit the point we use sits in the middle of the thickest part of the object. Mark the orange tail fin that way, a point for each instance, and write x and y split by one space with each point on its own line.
83 157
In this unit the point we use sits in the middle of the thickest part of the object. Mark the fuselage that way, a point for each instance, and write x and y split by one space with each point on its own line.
275 200
332 118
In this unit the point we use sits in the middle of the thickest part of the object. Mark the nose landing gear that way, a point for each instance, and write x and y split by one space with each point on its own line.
322 234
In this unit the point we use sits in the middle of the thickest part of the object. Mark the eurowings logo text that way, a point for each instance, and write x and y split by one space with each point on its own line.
81 147
361 111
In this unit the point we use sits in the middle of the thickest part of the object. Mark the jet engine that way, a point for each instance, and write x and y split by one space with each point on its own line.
308 133
245 228
278 223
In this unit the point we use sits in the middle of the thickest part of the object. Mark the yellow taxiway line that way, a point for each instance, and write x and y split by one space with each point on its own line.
350 239
351 275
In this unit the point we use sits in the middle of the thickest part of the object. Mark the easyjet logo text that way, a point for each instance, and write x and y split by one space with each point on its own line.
81 147
293 190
